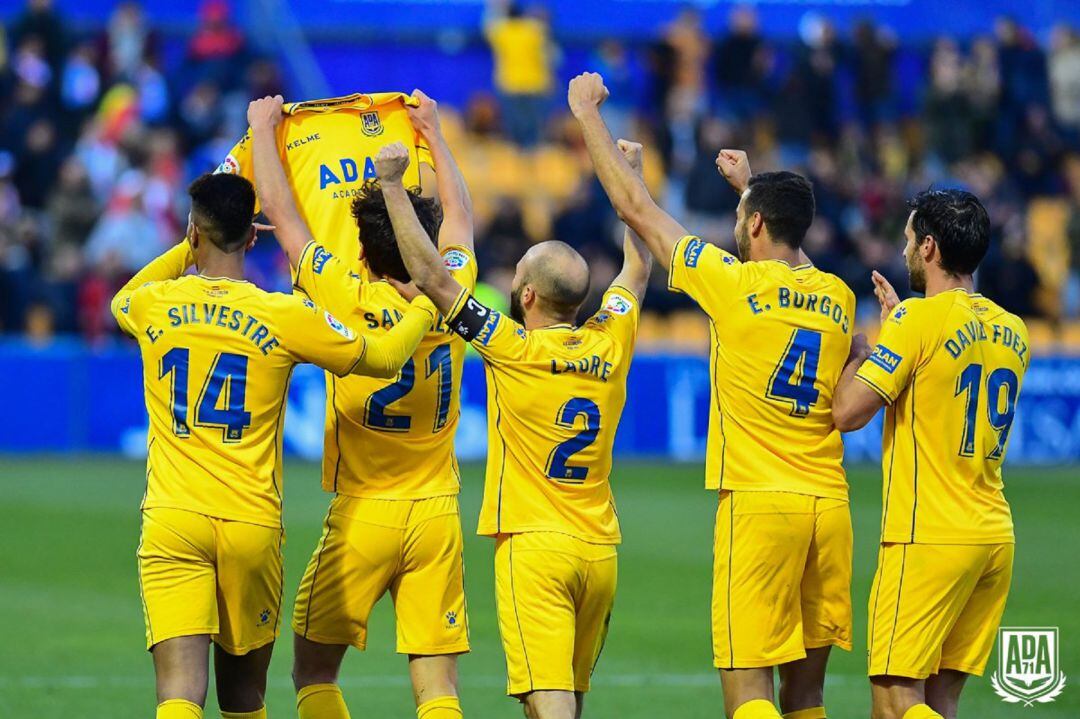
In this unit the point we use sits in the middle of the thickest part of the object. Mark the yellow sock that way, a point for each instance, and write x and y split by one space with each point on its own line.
921 711
321 701
757 709
257 714
441 708
178 709
811 713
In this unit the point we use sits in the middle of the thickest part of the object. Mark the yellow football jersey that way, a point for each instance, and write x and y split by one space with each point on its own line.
555 396
327 150
780 338
389 440
950 368
217 356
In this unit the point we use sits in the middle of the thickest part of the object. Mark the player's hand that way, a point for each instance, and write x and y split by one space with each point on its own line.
734 165
391 162
860 349
886 295
632 152
408 290
586 92
259 227
424 117
266 113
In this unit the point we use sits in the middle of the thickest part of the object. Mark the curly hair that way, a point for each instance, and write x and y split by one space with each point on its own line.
377 233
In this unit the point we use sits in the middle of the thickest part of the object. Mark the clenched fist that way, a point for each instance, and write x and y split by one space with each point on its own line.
586 92
424 117
391 162
734 165
632 152
265 113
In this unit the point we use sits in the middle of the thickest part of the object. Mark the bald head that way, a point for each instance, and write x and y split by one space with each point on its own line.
558 275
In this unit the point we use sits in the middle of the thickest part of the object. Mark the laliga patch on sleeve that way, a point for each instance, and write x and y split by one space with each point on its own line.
228 166
692 252
886 359
455 260
338 326
617 304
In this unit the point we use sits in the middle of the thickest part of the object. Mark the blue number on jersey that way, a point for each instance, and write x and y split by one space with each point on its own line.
557 461
802 351
227 386
1000 419
438 362
228 377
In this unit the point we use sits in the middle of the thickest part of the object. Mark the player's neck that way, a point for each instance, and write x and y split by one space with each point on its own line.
762 251
538 321
936 283
219 264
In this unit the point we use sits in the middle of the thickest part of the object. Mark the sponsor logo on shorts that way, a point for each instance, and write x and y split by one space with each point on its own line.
886 359
338 326
455 260
371 124
1028 670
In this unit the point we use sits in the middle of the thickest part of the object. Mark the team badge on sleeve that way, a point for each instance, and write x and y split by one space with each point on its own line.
319 259
692 252
228 166
455 260
617 304
886 359
338 326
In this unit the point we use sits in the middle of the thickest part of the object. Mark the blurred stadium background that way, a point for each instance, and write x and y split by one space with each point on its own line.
108 109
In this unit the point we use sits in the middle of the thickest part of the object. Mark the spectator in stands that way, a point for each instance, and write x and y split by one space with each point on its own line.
126 236
127 41
72 206
40 21
38 163
873 51
217 50
523 55
741 65
1065 78
950 117
1007 276
80 85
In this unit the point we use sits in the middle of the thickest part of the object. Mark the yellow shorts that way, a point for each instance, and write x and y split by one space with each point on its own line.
936 606
781 577
411 548
554 594
203 575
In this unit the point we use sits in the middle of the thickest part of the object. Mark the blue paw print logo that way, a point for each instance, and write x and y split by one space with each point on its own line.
729 260
899 314
264 617
451 619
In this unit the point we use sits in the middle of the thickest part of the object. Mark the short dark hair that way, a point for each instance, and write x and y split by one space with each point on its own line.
223 206
377 233
786 203
959 225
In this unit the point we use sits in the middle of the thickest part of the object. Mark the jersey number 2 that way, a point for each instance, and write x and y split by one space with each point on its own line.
557 467
801 356
226 385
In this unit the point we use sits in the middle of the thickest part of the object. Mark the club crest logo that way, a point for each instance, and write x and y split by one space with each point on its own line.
1028 670
371 124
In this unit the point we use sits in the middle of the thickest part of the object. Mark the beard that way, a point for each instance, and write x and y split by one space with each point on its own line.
916 271
742 242
517 312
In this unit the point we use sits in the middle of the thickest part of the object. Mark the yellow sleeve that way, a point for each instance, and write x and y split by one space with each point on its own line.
618 315
169 265
462 265
326 280
710 275
889 369
494 336
239 161
387 353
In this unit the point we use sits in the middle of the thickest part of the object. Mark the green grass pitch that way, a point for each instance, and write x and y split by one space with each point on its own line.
73 630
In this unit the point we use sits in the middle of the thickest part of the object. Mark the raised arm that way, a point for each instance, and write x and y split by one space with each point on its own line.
457 223
271 185
385 354
626 190
854 403
421 259
167 266
637 262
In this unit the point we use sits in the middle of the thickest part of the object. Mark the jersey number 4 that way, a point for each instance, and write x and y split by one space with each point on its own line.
557 465
221 400
969 383
793 379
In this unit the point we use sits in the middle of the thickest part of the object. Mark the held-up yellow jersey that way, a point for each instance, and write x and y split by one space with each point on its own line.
389 440
217 356
780 338
327 150
950 368
555 396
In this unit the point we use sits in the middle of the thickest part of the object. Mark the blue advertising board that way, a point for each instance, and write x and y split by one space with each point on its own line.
70 398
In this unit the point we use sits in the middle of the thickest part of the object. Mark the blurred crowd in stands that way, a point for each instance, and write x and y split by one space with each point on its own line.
98 139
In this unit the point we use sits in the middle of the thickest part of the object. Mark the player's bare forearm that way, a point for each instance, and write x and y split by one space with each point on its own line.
275 195
169 265
854 403
421 259
637 265
385 355
457 224
626 191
